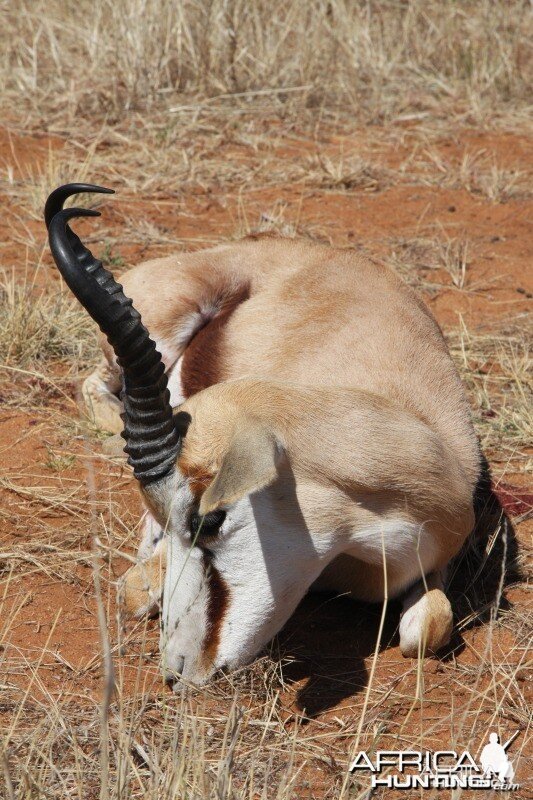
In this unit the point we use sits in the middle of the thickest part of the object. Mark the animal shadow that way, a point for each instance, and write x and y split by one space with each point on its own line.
327 641
489 561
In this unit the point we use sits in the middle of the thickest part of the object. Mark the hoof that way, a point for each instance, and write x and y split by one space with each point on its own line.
426 627
103 408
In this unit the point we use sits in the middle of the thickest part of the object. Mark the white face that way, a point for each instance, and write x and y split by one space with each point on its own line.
228 594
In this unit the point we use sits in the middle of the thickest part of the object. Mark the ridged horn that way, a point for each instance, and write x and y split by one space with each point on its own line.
152 441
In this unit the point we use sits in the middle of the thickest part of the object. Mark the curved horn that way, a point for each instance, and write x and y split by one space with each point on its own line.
55 202
152 441
57 198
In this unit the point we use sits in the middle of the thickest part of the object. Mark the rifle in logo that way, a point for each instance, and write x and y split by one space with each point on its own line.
509 742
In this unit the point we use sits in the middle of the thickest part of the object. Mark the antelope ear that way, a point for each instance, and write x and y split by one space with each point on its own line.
249 465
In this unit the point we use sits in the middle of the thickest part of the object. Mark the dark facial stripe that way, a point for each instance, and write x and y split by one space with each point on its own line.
217 605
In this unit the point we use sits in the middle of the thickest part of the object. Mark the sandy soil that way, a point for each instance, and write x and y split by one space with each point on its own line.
329 642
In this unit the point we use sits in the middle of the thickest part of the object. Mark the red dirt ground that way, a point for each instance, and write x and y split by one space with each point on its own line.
58 611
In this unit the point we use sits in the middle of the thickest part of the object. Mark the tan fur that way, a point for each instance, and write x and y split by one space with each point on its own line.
329 357
248 464
142 585
399 465
439 621
432 620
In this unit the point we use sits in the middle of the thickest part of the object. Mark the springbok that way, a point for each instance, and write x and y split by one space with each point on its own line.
314 433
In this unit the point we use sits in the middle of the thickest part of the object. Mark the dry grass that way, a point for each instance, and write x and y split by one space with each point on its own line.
348 173
232 740
377 61
214 110
478 172
416 258
239 737
497 367
40 327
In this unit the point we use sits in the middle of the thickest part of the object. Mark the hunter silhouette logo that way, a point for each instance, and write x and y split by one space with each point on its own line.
442 769
494 761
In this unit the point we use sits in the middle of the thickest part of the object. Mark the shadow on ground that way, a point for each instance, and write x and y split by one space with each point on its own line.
327 641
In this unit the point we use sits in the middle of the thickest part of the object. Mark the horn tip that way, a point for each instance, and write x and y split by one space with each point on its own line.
56 199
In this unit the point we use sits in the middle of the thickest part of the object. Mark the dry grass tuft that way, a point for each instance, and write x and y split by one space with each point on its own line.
41 326
418 257
497 367
497 184
478 172
350 172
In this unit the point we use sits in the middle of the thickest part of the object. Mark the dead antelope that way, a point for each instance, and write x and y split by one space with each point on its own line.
294 420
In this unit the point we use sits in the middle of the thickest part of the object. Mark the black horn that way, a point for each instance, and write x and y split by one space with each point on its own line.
55 203
152 441
56 199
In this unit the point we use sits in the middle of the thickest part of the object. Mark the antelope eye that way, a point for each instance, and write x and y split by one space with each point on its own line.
208 525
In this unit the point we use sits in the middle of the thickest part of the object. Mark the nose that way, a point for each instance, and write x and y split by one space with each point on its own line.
170 680
172 676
